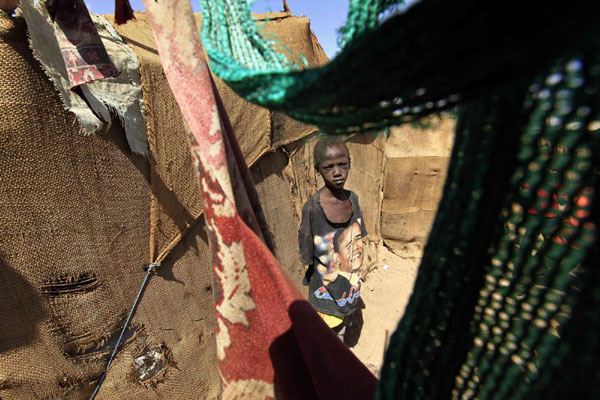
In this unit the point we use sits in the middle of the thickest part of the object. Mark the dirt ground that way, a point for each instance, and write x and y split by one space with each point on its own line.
385 294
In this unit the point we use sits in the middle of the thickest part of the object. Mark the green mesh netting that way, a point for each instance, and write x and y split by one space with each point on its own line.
507 297
430 58
506 301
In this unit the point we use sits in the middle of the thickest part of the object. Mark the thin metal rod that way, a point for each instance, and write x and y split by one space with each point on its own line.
131 312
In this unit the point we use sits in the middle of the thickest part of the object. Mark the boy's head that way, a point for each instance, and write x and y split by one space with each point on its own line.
332 161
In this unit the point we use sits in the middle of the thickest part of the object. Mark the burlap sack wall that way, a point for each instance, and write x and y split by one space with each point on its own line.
278 207
415 170
75 228
365 178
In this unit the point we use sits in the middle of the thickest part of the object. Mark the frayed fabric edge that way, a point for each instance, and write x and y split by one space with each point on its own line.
98 93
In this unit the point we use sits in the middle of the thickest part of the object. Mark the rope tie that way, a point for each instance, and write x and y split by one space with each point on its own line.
131 312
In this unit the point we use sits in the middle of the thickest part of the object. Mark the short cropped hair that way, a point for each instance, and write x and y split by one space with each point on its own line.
320 149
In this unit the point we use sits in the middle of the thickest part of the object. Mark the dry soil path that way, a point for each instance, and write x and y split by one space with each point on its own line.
385 294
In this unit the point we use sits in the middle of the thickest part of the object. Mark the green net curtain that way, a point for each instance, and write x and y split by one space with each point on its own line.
506 301
430 58
507 298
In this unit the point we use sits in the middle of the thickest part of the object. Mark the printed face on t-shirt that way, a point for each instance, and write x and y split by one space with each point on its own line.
350 248
340 252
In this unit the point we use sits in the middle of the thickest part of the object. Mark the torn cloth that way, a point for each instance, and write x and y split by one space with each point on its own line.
270 341
121 94
82 50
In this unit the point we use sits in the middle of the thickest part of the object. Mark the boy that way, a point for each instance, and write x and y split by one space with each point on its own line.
330 238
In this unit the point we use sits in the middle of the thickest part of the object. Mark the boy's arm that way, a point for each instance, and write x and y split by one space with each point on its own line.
305 237
305 244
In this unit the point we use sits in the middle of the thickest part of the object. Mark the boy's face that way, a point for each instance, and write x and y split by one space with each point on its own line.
334 169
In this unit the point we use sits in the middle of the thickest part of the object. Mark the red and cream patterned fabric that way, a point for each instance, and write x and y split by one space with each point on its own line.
270 341
84 54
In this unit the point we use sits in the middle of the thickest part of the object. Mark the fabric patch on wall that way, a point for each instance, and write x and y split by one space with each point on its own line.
92 102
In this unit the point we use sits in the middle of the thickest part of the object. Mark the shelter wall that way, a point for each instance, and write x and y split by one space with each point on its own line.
278 207
417 157
75 229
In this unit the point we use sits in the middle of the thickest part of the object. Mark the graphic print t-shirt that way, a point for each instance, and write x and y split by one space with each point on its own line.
336 251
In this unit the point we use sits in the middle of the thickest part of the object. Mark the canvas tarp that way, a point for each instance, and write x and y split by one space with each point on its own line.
417 157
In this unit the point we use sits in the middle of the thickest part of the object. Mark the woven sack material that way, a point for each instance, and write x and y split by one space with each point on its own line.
75 228
175 202
277 203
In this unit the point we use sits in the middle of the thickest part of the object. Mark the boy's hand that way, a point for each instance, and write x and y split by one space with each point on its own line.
308 271
330 274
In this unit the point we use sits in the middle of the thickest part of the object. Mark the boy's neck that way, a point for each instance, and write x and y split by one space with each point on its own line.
332 192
